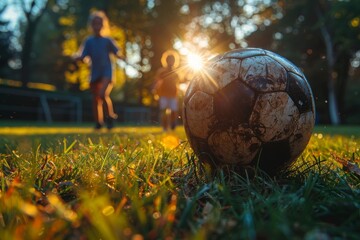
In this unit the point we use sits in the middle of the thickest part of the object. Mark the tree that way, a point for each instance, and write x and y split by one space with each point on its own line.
33 11
6 49
148 28
339 23
321 37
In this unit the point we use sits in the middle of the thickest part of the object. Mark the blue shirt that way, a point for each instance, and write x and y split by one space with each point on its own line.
99 49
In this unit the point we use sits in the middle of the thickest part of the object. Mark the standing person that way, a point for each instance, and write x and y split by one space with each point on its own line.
166 87
98 48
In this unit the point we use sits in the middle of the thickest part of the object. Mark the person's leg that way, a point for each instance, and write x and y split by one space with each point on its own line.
163 105
97 103
109 113
174 112
173 117
164 119
105 93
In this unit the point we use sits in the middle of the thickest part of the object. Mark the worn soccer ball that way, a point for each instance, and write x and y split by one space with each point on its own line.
249 107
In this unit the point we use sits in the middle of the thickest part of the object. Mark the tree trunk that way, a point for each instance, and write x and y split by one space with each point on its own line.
32 22
332 100
330 56
342 69
26 54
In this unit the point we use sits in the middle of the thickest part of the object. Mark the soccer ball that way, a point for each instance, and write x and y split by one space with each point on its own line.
249 107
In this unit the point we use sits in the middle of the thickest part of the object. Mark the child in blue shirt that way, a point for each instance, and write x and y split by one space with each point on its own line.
98 48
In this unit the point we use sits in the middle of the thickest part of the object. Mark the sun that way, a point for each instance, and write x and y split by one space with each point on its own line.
195 61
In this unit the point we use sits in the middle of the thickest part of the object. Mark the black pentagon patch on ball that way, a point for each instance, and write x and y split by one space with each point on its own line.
233 104
299 92
273 156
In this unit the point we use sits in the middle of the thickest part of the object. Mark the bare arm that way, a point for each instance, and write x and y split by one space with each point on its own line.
120 56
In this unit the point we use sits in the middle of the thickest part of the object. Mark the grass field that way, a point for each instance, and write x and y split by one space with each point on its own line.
69 182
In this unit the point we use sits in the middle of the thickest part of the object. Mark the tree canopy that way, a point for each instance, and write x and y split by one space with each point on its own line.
320 36
7 51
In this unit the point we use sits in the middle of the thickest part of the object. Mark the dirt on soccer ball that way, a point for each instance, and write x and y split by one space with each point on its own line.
249 107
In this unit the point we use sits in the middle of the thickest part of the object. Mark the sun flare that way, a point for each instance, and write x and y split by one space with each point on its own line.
195 61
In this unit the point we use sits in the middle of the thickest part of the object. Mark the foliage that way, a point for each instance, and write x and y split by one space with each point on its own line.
6 35
298 37
148 28
33 11
144 184
75 30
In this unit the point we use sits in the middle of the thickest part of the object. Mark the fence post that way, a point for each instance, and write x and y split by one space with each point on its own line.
46 108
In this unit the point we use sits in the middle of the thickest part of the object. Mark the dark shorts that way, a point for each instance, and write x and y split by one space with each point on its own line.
98 87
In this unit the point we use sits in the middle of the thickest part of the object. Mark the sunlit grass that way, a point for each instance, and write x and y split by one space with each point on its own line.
40 130
141 183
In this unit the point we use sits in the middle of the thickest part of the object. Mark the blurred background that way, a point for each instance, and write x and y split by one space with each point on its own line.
40 82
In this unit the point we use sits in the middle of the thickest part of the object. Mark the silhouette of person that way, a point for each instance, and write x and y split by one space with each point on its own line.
166 87
98 48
